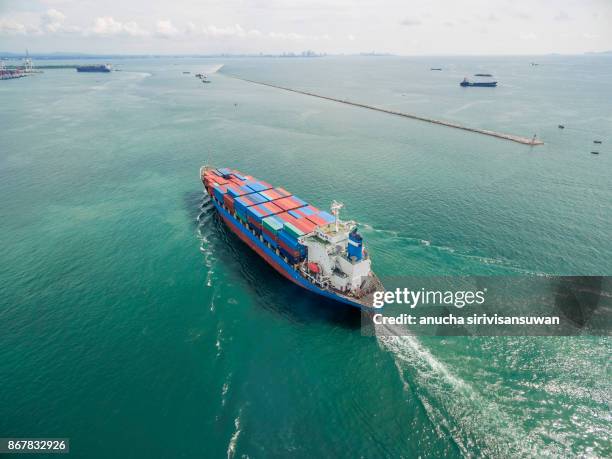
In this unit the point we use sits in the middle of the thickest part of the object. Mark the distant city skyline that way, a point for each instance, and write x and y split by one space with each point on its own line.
335 27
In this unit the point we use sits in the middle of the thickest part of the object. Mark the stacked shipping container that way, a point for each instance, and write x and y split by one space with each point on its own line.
273 213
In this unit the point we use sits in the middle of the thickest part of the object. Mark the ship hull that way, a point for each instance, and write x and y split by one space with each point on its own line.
100 69
276 261
478 85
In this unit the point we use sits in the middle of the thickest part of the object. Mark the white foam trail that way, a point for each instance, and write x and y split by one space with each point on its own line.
504 263
218 342
216 69
231 447
453 405
212 302
224 391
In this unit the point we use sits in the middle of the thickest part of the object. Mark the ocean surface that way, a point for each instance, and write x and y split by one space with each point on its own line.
135 324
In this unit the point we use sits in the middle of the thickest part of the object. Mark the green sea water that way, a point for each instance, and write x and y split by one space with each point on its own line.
135 324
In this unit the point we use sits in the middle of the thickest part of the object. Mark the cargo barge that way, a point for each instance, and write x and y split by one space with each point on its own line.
311 248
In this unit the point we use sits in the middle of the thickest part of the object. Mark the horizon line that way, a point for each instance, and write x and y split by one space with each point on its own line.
64 54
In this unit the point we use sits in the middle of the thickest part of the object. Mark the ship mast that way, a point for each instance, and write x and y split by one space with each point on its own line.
335 208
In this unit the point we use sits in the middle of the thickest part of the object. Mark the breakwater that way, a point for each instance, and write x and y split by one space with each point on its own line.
500 135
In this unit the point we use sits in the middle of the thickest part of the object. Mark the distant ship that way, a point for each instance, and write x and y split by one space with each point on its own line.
94 68
483 84
483 75
310 247
433 68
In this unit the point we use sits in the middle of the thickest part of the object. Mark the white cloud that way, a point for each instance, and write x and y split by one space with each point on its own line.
522 15
528 36
53 22
132 29
411 22
166 29
274 26
11 27
50 22
236 31
233 31
107 26
292 36
230 31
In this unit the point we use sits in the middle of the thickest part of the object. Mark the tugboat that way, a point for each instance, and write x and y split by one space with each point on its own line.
482 84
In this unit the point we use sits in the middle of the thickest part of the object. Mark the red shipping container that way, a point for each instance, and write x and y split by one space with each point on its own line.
228 200
253 222
289 250
272 208
316 220
303 224
283 216
272 194
288 203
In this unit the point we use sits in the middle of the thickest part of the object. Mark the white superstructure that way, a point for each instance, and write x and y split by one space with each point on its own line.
336 257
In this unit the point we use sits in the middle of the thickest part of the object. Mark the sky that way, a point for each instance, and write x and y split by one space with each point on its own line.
405 27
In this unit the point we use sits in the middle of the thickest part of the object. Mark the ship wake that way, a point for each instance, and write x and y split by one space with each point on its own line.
455 407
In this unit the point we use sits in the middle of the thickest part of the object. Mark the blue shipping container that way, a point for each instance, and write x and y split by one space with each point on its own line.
327 217
219 192
291 242
271 241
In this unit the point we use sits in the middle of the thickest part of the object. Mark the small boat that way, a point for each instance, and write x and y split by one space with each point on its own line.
186 73
594 152
438 69
482 84
483 75
561 126
597 142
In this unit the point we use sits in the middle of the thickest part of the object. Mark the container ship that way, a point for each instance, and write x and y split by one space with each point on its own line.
310 247
482 84
104 68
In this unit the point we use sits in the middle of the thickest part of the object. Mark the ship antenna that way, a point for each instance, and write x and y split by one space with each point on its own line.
335 208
